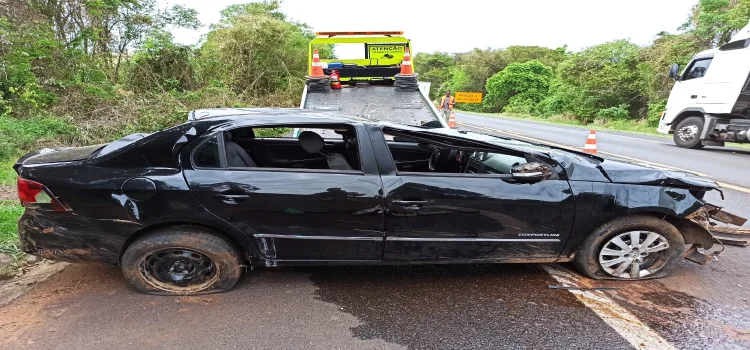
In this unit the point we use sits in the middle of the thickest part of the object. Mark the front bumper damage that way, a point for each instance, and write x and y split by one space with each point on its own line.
702 248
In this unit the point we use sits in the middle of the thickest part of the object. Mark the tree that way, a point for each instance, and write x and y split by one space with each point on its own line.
713 22
604 76
255 51
434 68
518 87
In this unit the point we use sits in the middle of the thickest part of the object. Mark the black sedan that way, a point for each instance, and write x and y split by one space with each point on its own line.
185 209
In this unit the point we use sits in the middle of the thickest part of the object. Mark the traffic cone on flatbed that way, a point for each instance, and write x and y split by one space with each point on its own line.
317 80
590 146
406 68
317 68
406 80
452 122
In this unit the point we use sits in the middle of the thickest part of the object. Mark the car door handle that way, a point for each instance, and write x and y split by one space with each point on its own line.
694 96
232 198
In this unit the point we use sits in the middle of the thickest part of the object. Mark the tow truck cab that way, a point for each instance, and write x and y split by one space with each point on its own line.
710 101
380 58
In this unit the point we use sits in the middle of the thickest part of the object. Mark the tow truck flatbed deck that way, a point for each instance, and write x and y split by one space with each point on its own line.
374 102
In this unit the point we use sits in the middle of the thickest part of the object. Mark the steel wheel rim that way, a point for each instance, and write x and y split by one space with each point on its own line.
688 132
179 270
634 254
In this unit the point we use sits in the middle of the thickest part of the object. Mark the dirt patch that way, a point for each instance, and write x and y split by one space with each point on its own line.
16 287
8 193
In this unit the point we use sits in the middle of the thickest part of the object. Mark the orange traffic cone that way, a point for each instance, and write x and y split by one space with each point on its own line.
316 70
452 121
590 146
406 68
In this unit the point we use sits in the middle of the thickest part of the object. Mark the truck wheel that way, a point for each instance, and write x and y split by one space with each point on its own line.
688 132
632 247
181 261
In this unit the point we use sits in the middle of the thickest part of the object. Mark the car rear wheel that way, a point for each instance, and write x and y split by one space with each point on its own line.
688 132
631 248
182 261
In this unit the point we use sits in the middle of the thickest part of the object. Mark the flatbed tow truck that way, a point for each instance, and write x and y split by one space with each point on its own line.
368 83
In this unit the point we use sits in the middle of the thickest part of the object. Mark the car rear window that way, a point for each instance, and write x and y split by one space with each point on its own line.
207 154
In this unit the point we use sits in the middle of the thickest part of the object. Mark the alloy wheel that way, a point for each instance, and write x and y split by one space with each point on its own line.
634 254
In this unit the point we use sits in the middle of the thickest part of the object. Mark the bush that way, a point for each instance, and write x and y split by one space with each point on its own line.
612 113
19 135
520 104
522 84
654 112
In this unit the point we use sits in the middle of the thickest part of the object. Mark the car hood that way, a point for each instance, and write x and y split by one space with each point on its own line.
630 173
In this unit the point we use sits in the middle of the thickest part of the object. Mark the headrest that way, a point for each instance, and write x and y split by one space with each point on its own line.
311 142
227 136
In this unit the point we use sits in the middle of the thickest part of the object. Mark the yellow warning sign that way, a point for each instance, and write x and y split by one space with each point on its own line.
468 97
386 51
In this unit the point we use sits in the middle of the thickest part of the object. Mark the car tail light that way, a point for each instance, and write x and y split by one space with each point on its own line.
35 195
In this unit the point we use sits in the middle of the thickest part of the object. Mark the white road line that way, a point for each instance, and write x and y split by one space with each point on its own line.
638 334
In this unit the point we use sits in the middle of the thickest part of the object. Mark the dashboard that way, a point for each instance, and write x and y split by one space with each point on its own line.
490 163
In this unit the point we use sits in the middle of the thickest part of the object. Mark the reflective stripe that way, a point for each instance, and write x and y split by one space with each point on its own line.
406 63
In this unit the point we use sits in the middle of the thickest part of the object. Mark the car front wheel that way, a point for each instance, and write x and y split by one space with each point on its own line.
182 261
631 248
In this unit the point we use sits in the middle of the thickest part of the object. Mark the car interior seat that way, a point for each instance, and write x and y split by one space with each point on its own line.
236 155
313 143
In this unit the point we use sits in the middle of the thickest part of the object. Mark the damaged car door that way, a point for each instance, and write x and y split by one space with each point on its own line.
472 214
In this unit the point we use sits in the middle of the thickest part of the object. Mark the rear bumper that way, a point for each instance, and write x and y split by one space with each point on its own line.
67 237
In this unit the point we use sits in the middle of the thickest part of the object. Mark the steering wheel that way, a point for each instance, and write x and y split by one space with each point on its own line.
439 157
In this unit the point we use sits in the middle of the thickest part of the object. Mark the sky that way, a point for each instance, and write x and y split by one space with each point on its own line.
457 26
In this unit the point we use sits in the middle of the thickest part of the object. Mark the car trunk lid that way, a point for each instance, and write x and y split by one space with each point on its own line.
56 155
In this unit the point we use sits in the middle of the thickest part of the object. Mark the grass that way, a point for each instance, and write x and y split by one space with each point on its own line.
9 213
7 174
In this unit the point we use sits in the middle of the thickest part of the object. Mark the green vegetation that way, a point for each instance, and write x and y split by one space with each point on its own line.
618 83
9 213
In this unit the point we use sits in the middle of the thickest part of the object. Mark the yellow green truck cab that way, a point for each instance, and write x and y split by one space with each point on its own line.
383 54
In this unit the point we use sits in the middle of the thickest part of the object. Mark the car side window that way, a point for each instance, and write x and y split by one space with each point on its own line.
412 156
697 69
207 154
325 147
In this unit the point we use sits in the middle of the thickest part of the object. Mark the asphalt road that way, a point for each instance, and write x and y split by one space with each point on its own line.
413 307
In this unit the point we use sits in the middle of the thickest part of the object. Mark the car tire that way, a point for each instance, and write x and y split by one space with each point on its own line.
595 262
687 133
182 261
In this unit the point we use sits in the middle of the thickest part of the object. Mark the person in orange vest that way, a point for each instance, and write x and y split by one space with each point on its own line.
446 105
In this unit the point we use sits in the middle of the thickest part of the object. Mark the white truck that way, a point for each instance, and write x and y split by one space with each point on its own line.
710 101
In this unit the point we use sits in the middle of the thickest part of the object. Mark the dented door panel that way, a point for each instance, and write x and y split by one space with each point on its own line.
475 218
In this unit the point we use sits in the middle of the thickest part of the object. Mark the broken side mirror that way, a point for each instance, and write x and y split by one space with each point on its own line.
674 70
531 172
